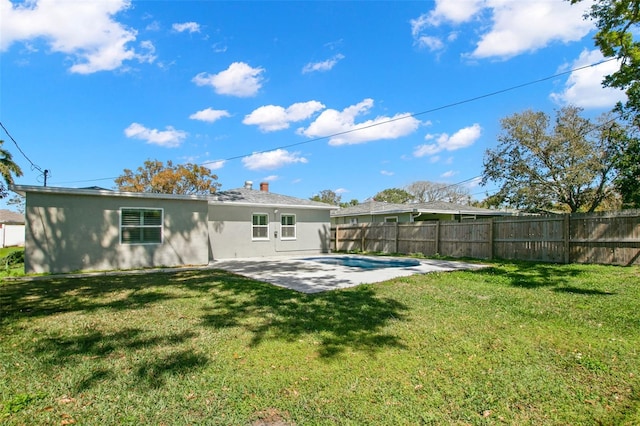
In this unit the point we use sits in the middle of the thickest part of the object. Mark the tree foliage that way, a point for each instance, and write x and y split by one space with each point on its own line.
627 182
352 202
156 177
17 202
327 196
393 195
425 191
539 165
8 169
617 22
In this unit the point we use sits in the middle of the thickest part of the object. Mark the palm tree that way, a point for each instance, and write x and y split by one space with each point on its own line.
7 169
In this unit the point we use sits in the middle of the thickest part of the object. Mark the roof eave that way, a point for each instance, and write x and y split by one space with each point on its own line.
272 205
23 189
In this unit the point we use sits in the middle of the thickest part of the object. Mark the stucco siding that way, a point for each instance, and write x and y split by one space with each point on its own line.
230 232
67 232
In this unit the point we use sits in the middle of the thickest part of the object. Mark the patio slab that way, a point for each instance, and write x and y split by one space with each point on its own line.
310 276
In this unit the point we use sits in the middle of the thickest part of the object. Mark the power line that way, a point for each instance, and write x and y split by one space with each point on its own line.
34 166
391 120
404 117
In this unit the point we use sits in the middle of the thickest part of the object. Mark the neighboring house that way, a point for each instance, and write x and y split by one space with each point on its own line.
11 229
70 229
380 212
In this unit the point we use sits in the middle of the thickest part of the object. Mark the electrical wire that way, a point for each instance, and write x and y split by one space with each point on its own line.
391 120
417 114
33 165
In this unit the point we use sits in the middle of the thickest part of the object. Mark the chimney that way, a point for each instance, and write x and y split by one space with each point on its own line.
248 184
264 186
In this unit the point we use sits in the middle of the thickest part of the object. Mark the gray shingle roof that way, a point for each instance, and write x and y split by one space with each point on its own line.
7 216
378 207
255 196
371 207
240 196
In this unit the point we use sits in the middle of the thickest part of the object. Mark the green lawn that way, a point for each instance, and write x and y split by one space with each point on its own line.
516 343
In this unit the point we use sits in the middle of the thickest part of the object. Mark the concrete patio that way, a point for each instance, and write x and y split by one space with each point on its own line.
310 276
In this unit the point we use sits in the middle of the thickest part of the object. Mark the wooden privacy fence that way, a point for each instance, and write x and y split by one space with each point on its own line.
605 238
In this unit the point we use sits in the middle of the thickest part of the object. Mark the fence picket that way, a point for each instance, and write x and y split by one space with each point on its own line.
606 238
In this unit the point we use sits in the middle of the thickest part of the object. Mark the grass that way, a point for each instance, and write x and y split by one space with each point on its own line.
11 261
516 343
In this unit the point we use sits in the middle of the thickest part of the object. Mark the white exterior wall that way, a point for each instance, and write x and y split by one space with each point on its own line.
230 232
11 235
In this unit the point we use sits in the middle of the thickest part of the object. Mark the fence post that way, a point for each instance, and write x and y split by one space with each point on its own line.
490 238
437 242
566 229
396 242
337 238
362 240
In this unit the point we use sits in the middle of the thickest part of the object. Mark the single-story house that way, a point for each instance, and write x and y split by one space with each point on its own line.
11 228
380 212
71 229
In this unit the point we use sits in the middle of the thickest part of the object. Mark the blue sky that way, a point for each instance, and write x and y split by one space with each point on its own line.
355 97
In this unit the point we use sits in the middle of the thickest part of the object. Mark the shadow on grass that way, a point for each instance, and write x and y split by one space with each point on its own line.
532 275
42 297
353 318
75 348
583 291
350 319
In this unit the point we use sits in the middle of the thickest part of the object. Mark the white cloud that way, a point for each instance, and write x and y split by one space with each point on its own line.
271 178
214 164
386 173
431 43
514 27
239 80
322 66
272 159
448 174
461 139
454 11
191 27
341 191
270 118
170 138
341 124
209 115
87 32
584 88
526 26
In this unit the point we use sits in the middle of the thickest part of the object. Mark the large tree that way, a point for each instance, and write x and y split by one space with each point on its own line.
8 168
539 165
327 196
617 22
156 177
425 191
393 195
627 181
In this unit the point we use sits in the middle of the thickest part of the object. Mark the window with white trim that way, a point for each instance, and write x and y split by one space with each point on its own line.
260 226
141 226
353 221
288 226
391 219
